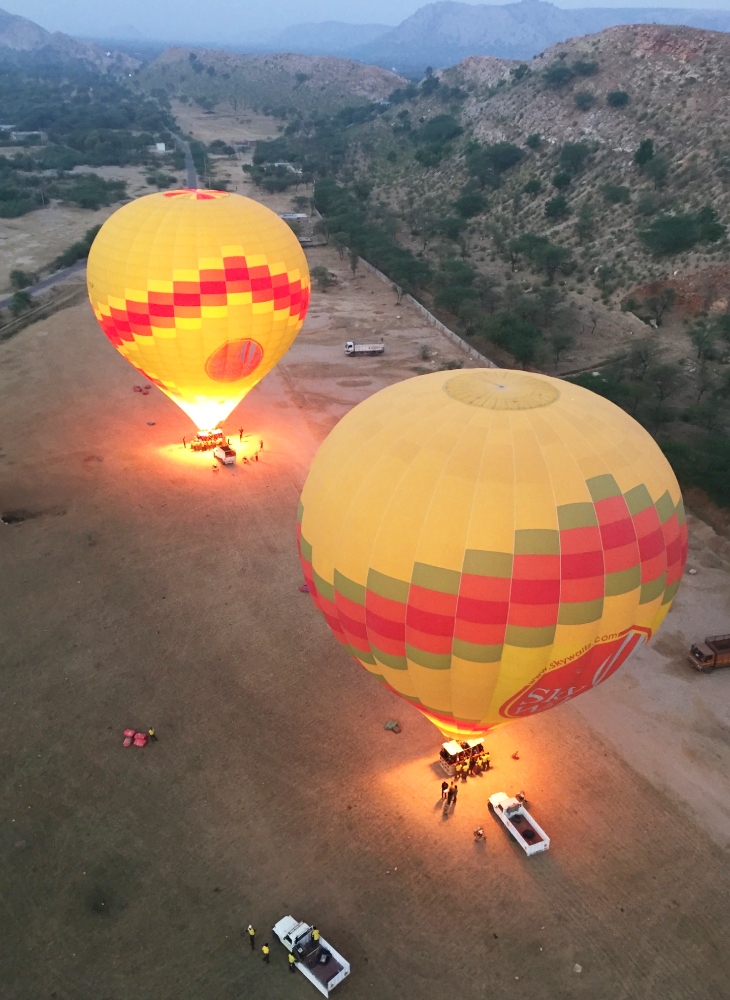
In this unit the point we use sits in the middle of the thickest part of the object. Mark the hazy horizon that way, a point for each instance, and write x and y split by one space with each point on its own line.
231 22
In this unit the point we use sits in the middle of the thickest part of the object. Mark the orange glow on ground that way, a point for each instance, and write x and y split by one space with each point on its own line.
185 456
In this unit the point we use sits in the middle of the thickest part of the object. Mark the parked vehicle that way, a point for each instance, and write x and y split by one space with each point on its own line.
225 454
318 961
514 815
352 348
713 652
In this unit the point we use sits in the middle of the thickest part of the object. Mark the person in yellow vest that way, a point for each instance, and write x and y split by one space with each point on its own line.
487 760
251 936
315 935
292 961
265 950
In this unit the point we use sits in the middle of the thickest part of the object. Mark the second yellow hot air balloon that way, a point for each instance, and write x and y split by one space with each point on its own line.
490 544
202 292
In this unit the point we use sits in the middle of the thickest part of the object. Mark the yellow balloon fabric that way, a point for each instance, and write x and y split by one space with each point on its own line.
202 291
490 543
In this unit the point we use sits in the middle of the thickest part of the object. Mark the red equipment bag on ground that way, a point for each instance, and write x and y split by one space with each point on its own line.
140 740
129 735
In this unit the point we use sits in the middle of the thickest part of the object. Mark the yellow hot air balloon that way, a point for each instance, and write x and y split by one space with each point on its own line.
490 543
202 291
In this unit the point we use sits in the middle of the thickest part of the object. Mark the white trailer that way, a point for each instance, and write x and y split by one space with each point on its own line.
352 348
529 835
318 962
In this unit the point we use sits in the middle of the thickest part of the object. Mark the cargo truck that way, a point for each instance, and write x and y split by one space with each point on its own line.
352 348
713 652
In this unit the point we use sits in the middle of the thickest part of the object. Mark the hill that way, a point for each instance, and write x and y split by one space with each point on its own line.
568 214
272 82
442 34
25 43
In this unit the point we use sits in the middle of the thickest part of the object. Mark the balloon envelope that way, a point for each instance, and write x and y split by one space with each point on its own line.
202 291
491 543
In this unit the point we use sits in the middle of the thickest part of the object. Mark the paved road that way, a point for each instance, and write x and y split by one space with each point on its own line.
191 175
54 279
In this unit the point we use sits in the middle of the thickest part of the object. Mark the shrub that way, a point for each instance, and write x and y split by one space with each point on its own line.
658 169
439 130
561 180
22 279
644 153
534 140
584 100
533 186
616 194
617 98
573 156
20 302
470 203
487 163
520 337
710 228
557 207
671 234
77 251
322 277
557 75
583 68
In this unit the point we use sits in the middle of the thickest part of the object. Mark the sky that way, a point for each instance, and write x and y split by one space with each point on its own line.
240 21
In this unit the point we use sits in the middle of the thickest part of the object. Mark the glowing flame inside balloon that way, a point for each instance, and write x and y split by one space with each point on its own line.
202 292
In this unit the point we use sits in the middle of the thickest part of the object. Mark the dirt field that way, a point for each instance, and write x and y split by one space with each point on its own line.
143 589
31 242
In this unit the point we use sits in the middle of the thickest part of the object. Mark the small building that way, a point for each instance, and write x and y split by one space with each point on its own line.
160 147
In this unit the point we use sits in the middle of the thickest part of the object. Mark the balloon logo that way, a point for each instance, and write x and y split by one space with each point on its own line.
203 292
490 544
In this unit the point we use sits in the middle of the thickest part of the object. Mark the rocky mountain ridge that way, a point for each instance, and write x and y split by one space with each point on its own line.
23 41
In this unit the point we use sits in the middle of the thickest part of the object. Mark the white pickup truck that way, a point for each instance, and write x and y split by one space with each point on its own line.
531 837
318 962
352 348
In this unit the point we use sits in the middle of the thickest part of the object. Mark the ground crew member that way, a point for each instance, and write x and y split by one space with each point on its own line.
315 935
487 760
265 953
240 433
251 936
444 789
151 734
292 961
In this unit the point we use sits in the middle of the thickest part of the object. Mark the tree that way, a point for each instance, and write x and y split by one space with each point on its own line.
659 304
487 288
616 194
584 100
322 277
322 228
585 224
340 241
552 258
534 140
703 338
22 279
710 228
20 302
560 340
520 337
666 379
557 75
561 180
354 258
641 357
451 299
617 98
533 186
657 168
585 68
671 234
451 227
470 203
573 156
549 298
557 207
644 153
470 315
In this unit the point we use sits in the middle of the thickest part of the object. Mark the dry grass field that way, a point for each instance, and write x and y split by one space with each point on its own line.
141 588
